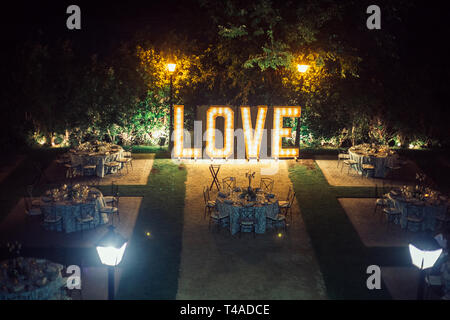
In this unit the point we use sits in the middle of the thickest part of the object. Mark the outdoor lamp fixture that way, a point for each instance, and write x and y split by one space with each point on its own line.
302 68
171 67
110 249
424 254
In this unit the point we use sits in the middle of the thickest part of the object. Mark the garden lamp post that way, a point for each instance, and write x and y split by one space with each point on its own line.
424 254
110 249
302 68
171 67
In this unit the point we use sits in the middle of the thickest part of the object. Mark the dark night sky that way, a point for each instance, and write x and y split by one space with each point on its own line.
120 19
105 23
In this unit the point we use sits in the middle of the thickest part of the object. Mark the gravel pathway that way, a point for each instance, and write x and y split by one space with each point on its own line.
216 265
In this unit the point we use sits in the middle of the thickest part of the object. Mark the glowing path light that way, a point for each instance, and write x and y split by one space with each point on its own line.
211 115
253 138
279 132
179 150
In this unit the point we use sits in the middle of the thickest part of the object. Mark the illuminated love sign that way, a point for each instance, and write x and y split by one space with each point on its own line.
252 135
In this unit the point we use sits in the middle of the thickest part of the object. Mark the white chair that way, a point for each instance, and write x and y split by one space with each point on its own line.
366 169
273 216
266 185
210 205
391 214
71 170
126 161
342 157
285 203
413 215
111 200
286 206
228 184
351 165
90 168
51 218
34 202
85 218
112 167
381 203
109 210
30 209
223 213
247 219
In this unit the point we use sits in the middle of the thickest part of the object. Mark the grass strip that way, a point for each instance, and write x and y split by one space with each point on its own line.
342 257
152 260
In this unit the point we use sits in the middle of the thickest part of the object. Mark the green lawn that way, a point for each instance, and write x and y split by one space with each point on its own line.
342 257
151 263
160 152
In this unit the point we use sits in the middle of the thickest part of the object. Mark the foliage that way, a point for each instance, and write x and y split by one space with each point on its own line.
360 85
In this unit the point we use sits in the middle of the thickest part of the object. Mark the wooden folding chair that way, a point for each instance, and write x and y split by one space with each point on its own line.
266 185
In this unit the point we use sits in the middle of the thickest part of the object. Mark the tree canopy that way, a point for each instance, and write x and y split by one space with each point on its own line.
112 82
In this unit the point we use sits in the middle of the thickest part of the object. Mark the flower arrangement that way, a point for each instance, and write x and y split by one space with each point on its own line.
249 194
250 175
76 193
373 149
97 146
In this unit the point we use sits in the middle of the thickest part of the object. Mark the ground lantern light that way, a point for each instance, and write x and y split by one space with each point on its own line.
110 249
424 254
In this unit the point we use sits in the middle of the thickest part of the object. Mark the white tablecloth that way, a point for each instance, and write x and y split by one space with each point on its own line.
97 159
379 162
70 211
236 210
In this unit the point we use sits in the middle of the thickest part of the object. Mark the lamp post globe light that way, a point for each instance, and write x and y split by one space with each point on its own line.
302 68
111 248
424 251
171 67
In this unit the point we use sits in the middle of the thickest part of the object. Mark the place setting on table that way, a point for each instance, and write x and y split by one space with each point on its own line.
420 207
245 209
73 208
374 160
24 278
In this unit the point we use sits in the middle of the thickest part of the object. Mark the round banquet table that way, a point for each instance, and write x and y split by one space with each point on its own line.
426 209
98 159
379 161
71 210
35 289
235 207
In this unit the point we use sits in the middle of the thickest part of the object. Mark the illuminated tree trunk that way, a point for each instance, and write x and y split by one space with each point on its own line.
353 133
297 133
171 116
